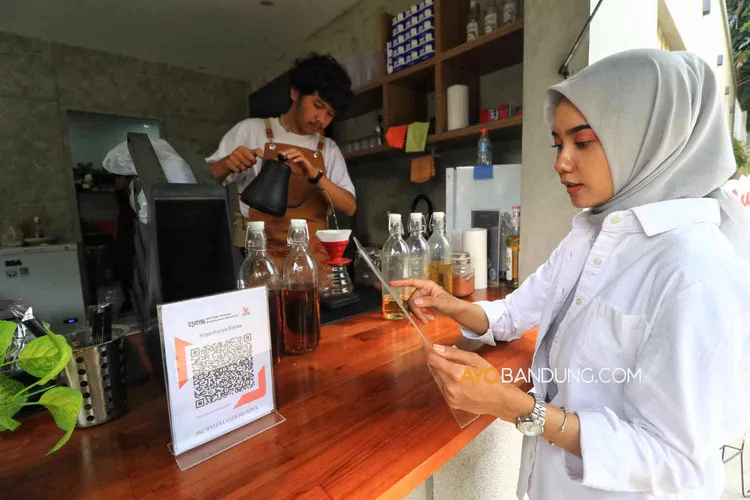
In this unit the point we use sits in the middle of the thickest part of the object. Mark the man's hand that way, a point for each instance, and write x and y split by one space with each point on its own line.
241 159
472 384
300 160
428 294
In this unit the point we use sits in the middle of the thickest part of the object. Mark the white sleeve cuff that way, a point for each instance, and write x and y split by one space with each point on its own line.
495 311
593 469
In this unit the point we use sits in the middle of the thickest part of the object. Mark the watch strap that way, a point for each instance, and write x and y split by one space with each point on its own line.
317 178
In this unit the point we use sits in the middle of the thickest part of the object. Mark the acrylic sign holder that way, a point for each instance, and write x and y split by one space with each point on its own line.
463 418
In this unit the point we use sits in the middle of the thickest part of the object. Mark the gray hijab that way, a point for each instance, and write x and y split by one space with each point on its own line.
660 119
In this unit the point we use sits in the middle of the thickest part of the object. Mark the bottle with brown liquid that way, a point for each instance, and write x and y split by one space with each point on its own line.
513 248
441 254
258 269
300 293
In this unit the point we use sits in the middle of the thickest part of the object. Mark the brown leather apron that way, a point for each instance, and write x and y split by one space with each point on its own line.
313 210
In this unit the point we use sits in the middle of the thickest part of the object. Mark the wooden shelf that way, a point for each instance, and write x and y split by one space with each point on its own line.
369 152
421 75
367 98
505 129
500 49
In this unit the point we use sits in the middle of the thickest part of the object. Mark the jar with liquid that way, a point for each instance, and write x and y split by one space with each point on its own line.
395 265
463 275
300 293
258 269
441 254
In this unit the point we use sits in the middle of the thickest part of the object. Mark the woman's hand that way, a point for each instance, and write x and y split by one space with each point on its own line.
472 384
299 159
428 294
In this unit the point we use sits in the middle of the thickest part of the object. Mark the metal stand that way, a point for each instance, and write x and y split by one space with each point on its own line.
741 452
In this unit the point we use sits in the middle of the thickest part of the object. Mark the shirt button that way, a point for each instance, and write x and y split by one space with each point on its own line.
615 219
579 301
556 340
531 455
598 261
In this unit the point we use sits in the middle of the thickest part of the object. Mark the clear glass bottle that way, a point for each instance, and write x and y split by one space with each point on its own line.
472 24
441 254
300 293
510 11
490 17
463 275
513 248
505 230
259 269
395 266
418 251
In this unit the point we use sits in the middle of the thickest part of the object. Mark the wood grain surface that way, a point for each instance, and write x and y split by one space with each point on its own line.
364 419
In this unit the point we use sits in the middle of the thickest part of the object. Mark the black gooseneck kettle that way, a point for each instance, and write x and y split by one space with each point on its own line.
268 191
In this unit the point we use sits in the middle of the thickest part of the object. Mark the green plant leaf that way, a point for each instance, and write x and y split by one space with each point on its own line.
7 329
8 405
45 357
64 404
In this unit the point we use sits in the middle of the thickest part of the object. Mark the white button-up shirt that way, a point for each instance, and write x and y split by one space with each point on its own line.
653 355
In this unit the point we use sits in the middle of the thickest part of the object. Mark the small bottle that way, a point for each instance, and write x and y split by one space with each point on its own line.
505 230
300 293
441 254
490 17
510 11
395 266
418 251
512 249
472 25
258 269
380 131
484 149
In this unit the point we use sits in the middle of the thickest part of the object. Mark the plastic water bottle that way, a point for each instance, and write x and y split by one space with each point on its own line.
484 149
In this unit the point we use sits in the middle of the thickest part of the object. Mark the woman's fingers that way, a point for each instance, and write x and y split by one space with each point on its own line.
458 356
452 370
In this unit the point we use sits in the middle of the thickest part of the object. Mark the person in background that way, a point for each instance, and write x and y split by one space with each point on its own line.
320 90
642 310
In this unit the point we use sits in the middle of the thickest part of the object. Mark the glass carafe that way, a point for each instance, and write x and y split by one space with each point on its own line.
441 254
259 269
395 266
300 293
418 251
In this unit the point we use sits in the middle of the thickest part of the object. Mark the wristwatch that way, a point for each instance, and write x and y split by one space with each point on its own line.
533 424
316 179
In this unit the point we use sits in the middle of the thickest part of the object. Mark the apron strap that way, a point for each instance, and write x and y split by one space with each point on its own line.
269 133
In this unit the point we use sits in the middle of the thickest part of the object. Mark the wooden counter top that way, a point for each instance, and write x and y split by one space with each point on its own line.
364 419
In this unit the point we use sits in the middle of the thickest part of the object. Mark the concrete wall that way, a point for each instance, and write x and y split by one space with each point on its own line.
550 29
41 81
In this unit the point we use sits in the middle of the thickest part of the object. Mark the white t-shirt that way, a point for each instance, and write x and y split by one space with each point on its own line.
251 133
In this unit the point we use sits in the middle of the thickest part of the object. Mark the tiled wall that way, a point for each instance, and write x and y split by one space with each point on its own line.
40 81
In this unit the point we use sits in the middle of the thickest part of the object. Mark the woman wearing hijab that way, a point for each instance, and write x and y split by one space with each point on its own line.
643 310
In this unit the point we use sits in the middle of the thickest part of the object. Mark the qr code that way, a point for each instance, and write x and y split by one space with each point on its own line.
222 369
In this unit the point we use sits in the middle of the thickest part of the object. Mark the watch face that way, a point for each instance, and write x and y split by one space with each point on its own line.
530 428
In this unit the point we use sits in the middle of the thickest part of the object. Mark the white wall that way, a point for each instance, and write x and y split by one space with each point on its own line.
622 25
707 37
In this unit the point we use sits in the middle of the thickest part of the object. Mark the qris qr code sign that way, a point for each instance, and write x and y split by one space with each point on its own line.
217 352
222 369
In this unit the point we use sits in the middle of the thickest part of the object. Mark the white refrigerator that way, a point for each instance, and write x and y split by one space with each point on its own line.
483 192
